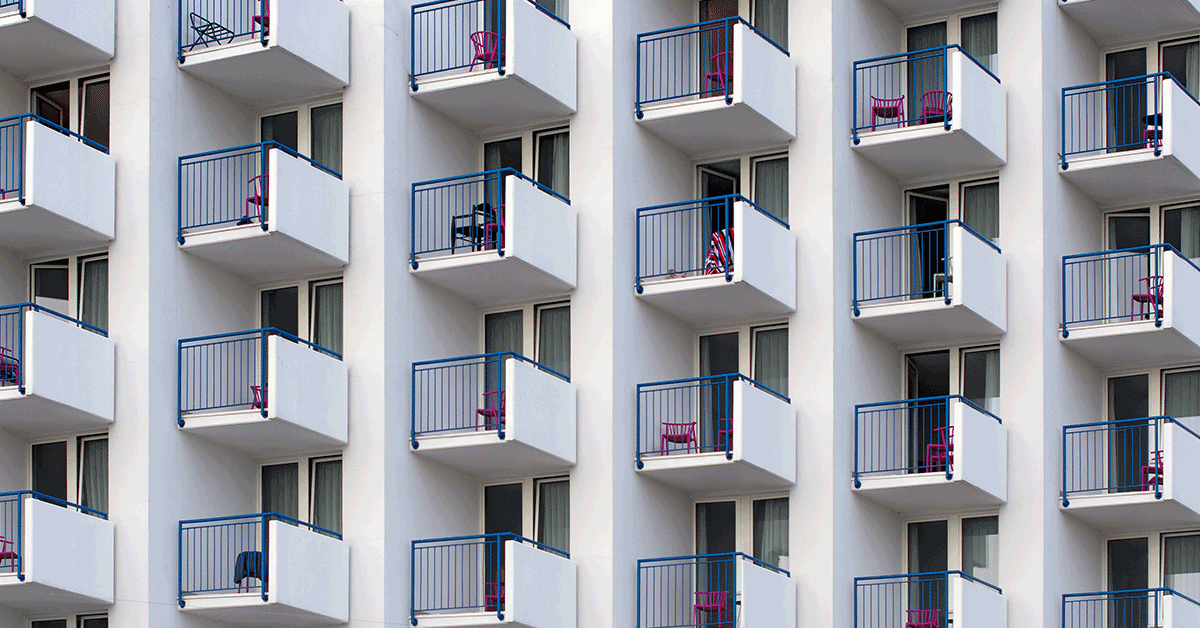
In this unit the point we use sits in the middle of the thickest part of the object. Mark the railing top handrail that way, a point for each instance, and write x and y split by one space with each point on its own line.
1125 82
927 225
38 308
1133 249
907 56
485 356
930 575
33 116
271 331
268 144
53 500
1162 417
701 25
704 378
712 200
499 535
484 174
1129 593
261 516
427 6
729 555
943 398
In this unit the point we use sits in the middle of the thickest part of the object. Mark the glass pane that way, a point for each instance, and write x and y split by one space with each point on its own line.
52 102
981 548
93 474
1181 564
1181 229
981 209
554 514
554 338
554 162
327 495
282 128
981 378
771 17
771 186
50 469
502 154
1183 62
502 509
1182 397
771 531
93 622
280 309
51 287
281 489
95 118
557 7
93 292
926 72
327 316
771 359
327 136
501 332
49 623
980 39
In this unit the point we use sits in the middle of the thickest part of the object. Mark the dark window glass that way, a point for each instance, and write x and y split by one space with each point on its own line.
280 309
282 128
50 469
327 136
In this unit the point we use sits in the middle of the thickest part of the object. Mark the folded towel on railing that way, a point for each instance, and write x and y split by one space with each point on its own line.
247 565
720 253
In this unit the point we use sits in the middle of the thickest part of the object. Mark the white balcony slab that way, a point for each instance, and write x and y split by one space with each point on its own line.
978 299
68 376
307 54
538 83
539 592
539 254
973 605
539 429
763 450
1143 511
1127 344
60 209
1116 21
978 476
1178 612
1139 176
762 284
56 36
308 226
767 597
762 113
975 142
917 8
309 584
67 560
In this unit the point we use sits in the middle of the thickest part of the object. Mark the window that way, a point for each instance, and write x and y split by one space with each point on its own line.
719 353
326 493
981 208
281 309
80 105
771 185
504 510
327 136
553 159
75 286
49 461
981 378
553 524
51 286
317 318
1181 229
770 520
757 526
981 548
93 110
557 7
73 470
544 155
280 489
1181 397
771 358
315 494
92 621
283 128
1182 60
975 202
93 472
49 623
980 39
327 315
93 291
554 336
771 17
929 543
313 130
1181 564
544 327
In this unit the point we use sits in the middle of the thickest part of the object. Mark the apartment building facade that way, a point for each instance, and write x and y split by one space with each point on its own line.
603 313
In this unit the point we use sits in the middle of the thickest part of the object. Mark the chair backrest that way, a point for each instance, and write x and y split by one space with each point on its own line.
947 436
485 42
266 8
887 102
1153 283
258 185
925 616
718 599
678 429
721 62
257 390
935 100
494 399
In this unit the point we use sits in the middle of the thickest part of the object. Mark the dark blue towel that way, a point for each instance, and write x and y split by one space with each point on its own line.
248 565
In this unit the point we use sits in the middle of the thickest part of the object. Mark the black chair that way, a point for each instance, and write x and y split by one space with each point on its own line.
206 30
471 228
248 565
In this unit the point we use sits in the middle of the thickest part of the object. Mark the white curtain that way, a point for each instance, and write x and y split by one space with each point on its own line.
327 136
93 294
981 548
327 316
1181 564
93 478
327 495
771 17
554 338
1183 398
980 39
981 209
981 378
554 514
771 186
554 162
771 531
281 489
771 359
501 332
1182 229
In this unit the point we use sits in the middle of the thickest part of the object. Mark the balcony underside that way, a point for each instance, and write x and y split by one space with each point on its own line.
248 609
33 47
261 437
926 320
33 414
710 300
1132 344
40 598
708 125
918 152
925 492
483 454
258 75
1131 20
1131 512
485 100
259 254
709 472
35 232
912 8
484 278
1131 177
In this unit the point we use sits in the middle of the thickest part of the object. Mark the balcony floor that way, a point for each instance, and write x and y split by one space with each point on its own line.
709 472
469 620
483 454
248 431
259 254
925 492
1131 344
35 232
710 300
1135 176
925 320
36 597
31 414
1131 512
248 609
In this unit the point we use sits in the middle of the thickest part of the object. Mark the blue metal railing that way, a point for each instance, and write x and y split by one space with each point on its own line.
229 186
12 6
462 574
906 436
225 555
222 22
1135 608
12 340
905 90
1114 116
679 239
12 152
685 62
687 416
889 601
228 370
1124 456
1115 286
904 263
463 394
462 214
691 591
12 527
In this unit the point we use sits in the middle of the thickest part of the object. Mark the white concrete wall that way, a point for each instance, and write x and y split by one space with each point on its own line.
539 586
977 606
308 570
313 30
84 192
541 51
14 98
1178 612
67 550
764 430
763 251
85 381
93 21
1181 124
540 409
764 78
306 387
978 102
1181 280
539 228
309 205
768 598
979 273
981 450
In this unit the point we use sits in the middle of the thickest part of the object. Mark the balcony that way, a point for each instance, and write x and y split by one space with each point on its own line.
38 38
454 69
1119 306
931 112
688 265
264 211
930 454
1131 141
1162 608
491 580
264 392
714 590
263 570
497 413
1132 475
39 572
493 237
715 433
719 86
936 281
56 373
939 599
1123 21
44 207
264 52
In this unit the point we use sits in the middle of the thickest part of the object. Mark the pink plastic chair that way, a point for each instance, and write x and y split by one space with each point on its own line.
493 599
9 555
493 232
487 49
1155 469
936 103
678 433
258 197
938 455
725 433
712 602
720 74
265 17
887 109
260 401
1151 298
923 619
492 412
10 367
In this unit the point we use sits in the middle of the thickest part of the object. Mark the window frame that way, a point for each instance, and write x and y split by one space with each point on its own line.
529 483
953 21
536 523
743 518
305 467
304 320
537 152
313 461
530 323
747 339
537 326
303 113
954 537
75 90
311 326
956 368
528 138
954 199
74 461
74 276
